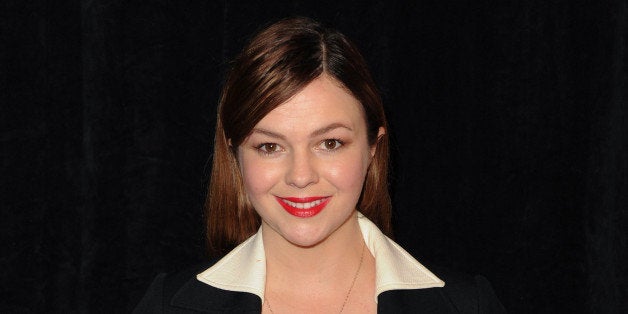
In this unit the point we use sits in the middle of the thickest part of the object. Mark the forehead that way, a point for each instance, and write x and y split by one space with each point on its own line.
323 101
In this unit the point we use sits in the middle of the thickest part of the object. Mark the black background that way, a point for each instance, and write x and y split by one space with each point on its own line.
508 121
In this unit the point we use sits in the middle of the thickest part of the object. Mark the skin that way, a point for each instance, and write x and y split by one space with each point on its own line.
314 145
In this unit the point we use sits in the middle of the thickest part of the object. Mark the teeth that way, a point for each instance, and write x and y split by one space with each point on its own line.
303 205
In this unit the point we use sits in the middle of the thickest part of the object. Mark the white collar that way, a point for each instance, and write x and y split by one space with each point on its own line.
244 268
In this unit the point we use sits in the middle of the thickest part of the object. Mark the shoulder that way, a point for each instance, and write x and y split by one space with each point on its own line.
462 293
181 292
469 292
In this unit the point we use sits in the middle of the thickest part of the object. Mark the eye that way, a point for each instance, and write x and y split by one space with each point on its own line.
269 148
331 144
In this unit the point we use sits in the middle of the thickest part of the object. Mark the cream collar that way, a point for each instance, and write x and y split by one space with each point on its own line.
244 268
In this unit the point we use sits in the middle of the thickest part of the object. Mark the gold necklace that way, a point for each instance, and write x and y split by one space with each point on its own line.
348 293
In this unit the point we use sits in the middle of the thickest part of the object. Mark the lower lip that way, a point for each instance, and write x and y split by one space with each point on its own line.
302 212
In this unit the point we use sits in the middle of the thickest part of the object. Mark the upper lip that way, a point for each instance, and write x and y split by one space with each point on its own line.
304 199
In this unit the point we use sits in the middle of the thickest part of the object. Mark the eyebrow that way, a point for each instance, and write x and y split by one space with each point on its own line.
317 132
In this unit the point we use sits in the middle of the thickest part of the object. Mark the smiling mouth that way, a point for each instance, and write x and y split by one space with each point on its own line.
303 207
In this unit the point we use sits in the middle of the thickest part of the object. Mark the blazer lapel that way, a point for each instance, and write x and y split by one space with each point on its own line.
198 296
429 301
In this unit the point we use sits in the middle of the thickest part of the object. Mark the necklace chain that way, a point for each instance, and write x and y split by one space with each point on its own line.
348 292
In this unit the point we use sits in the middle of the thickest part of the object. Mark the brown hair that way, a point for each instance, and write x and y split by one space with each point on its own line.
275 65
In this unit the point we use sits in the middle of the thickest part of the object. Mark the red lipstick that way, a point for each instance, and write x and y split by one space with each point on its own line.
303 207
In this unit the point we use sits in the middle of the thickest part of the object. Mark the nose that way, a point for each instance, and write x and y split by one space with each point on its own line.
302 171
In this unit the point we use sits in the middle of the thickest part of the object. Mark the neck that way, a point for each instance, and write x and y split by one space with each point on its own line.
333 259
336 274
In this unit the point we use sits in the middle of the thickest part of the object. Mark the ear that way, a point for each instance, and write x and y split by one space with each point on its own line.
380 133
229 143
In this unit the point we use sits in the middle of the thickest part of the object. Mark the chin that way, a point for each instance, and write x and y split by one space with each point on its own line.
305 238
309 236
308 232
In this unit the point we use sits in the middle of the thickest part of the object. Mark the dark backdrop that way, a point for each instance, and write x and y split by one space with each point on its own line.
508 121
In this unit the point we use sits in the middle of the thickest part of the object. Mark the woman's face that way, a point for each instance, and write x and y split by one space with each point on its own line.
305 162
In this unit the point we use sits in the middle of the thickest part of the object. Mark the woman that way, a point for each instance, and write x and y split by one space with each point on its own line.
299 184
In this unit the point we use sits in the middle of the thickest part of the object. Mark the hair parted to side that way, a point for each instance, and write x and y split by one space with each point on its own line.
275 65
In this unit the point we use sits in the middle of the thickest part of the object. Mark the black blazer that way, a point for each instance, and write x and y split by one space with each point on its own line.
183 293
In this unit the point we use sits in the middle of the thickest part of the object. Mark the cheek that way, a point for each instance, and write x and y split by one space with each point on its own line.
258 177
349 173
